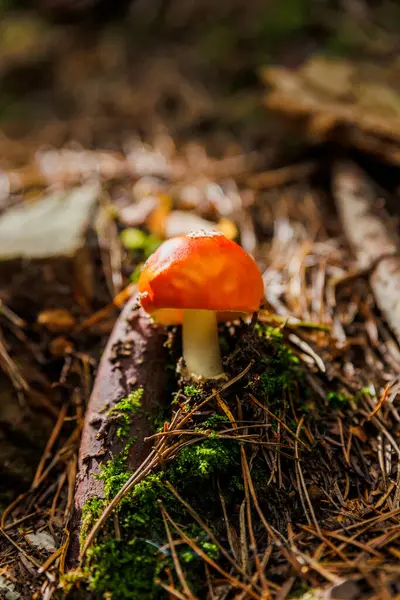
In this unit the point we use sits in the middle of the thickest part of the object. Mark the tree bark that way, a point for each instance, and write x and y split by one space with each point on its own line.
134 357
372 236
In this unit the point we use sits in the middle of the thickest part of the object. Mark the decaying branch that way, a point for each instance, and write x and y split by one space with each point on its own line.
371 235
133 358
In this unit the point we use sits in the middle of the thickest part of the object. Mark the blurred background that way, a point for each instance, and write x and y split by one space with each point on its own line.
94 72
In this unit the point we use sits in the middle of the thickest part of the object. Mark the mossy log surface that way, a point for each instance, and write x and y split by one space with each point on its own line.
134 358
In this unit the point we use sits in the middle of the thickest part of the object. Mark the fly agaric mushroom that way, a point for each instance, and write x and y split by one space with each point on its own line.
197 280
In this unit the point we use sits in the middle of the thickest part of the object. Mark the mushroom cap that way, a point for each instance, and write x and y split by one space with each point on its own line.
203 271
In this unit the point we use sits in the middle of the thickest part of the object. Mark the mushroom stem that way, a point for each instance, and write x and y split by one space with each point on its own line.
200 343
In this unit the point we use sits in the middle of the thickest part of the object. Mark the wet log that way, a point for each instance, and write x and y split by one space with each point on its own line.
372 236
134 357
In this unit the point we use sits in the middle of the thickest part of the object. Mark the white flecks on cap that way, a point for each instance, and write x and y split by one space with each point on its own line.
202 233
142 295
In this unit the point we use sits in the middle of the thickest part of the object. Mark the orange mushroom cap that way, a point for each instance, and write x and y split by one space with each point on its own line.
201 270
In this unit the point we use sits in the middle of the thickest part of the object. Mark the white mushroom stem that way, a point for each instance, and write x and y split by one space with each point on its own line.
200 343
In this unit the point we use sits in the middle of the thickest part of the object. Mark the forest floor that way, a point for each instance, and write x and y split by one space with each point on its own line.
299 448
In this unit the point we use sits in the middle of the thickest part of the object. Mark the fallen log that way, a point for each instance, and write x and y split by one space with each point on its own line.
374 240
134 358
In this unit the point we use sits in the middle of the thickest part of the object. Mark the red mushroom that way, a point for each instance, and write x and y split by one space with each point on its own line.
197 280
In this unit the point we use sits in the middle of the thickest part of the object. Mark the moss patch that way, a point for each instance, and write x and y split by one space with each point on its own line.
191 391
277 375
114 473
203 460
124 409
90 513
338 399
281 366
131 566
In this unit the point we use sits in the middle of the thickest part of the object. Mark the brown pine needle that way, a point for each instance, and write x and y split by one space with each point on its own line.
301 477
50 561
53 437
271 414
175 558
205 528
380 402
192 544
119 300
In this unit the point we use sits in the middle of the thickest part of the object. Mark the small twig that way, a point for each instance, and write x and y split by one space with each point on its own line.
306 348
119 300
11 316
10 368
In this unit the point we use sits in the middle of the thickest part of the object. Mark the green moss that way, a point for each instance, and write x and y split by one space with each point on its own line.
273 385
302 591
202 460
157 419
146 517
70 581
312 595
141 245
281 369
124 409
136 240
367 391
338 399
124 569
129 567
91 511
114 473
191 391
213 421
